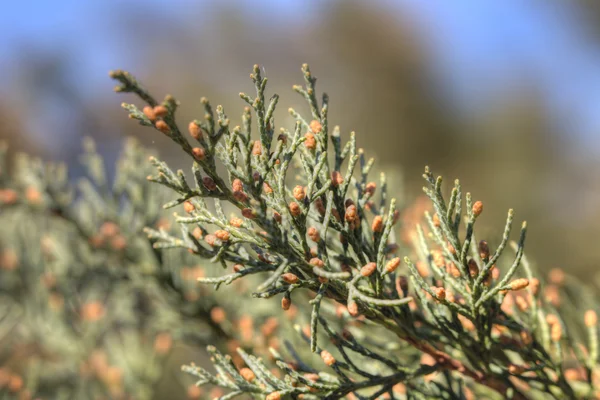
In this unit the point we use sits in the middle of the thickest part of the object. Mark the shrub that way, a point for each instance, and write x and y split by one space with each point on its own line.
372 301
456 318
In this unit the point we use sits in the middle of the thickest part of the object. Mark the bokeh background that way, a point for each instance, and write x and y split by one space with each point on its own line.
504 95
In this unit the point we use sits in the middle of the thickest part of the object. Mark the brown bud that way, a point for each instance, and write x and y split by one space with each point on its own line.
188 207
368 269
299 193
286 302
267 188
370 188
377 224
477 208
436 220
473 268
392 264
315 126
310 141
198 153
289 278
247 374
277 216
484 250
313 234
149 113
248 213
295 209
161 111
237 267
519 284
590 318
240 196
319 206
336 178
327 358
195 130
162 126
208 183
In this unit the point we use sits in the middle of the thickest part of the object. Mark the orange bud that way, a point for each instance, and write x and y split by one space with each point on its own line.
392 264
188 207
149 113
256 148
247 374
439 292
317 262
590 318
236 222
222 235
286 302
336 178
160 111
477 208
556 332
368 269
313 234
162 126
377 225
436 220
195 130
198 153
267 188
289 278
353 308
295 209
351 213
327 358
274 396
519 284
310 141
299 193
315 126
516 369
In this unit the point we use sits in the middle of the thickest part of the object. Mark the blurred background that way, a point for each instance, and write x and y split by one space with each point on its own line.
504 95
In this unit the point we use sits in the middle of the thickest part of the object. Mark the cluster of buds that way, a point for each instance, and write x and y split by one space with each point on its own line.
156 114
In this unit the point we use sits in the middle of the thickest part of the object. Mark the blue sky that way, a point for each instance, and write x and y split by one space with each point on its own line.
479 46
